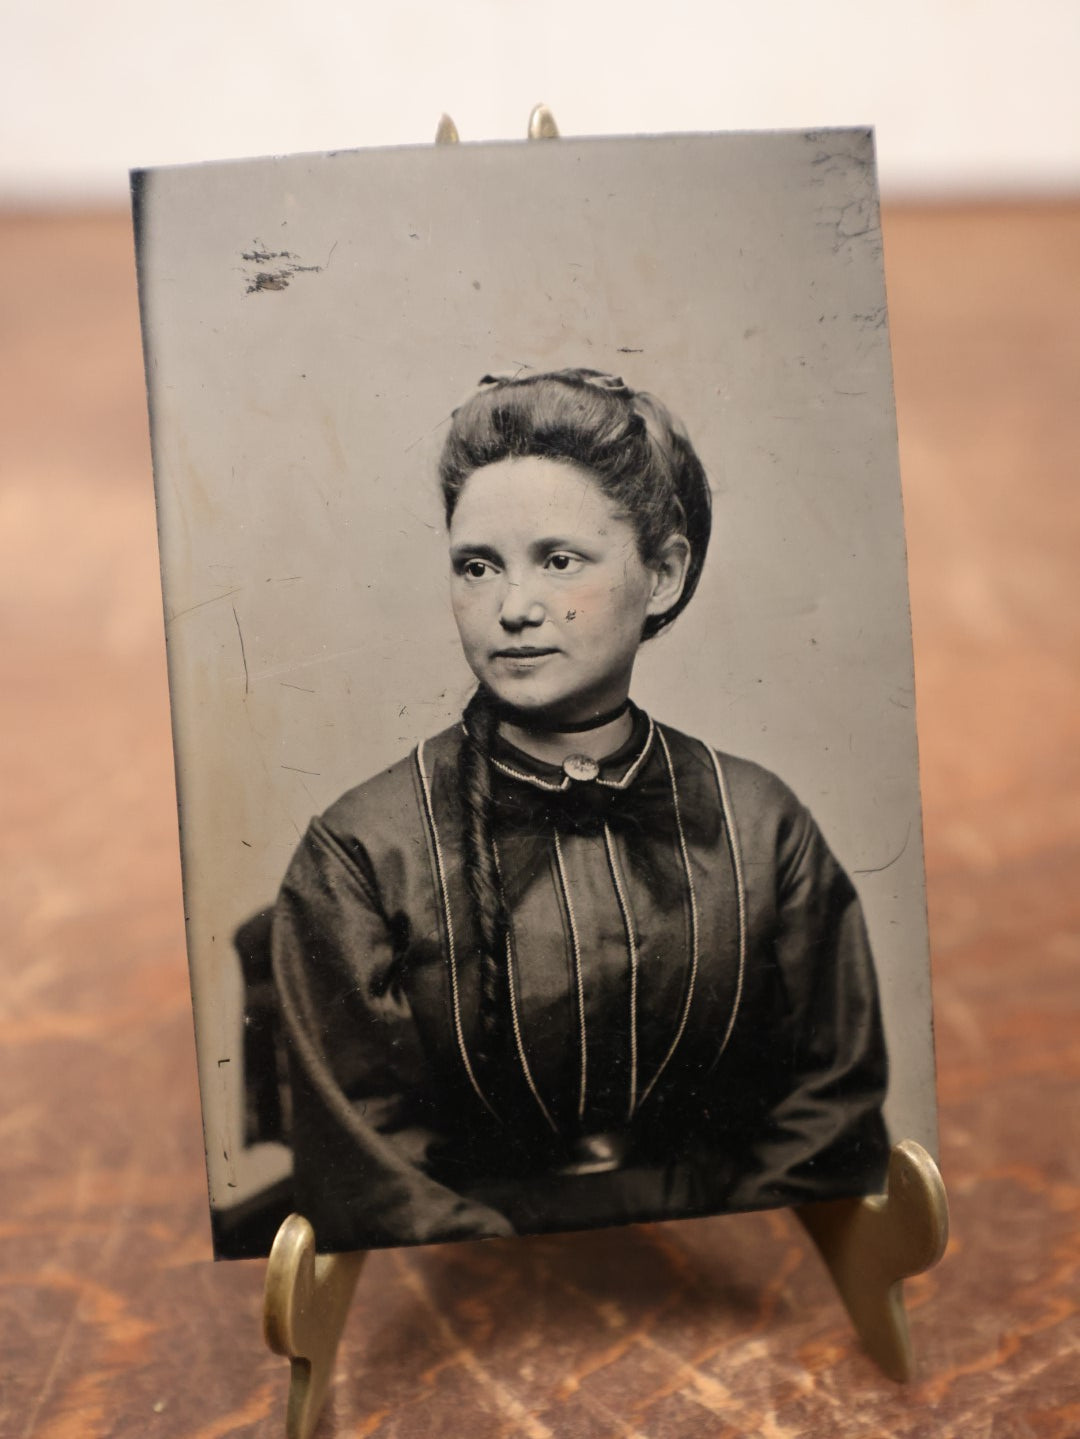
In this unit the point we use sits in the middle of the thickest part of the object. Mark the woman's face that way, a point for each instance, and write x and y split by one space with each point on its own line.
549 591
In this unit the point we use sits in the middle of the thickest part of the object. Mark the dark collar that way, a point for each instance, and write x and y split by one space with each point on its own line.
616 771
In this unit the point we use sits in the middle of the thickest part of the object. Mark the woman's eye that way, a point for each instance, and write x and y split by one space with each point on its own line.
564 564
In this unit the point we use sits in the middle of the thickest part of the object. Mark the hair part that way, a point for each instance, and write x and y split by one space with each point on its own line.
630 443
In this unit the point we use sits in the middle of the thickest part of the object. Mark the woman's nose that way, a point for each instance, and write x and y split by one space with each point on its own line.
520 608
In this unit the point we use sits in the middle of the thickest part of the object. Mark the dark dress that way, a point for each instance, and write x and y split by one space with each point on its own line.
690 1019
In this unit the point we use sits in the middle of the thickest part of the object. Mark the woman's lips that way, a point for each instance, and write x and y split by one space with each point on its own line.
523 657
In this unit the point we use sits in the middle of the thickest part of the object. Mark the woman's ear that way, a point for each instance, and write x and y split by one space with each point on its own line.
669 575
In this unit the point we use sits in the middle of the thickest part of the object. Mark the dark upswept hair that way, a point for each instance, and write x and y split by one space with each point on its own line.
641 457
632 445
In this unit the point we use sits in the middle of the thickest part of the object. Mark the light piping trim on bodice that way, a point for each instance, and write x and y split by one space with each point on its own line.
631 945
575 946
514 1017
740 892
691 982
440 869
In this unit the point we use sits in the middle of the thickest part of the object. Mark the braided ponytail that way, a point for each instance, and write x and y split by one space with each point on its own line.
485 887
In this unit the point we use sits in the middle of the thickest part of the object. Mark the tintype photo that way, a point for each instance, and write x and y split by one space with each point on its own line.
540 662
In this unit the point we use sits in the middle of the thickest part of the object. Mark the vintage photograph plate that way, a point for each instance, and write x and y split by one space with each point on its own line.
540 663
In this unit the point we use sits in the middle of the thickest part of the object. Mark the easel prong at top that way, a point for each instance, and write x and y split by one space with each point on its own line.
542 126
446 132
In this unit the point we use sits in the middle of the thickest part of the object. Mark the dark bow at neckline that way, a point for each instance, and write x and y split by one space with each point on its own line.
531 800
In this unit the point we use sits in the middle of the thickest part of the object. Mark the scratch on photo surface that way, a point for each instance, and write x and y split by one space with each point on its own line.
201 603
290 666
243 654
420 438
877 868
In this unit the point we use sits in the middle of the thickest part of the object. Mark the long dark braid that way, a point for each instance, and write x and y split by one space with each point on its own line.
485 889
641 457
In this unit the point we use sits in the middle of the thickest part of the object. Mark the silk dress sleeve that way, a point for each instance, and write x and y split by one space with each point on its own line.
362 1120
825 1132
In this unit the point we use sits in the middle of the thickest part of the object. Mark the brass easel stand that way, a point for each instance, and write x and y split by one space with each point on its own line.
869 1245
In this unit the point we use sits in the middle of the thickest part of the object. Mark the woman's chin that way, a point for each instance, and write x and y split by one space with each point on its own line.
545 707
527 699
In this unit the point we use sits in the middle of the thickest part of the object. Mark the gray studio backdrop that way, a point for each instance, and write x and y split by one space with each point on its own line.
310 323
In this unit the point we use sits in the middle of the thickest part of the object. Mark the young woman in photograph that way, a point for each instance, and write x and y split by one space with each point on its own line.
563 965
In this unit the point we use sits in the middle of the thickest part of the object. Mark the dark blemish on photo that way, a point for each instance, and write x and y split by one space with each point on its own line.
268 280
626 350
571 614
243 654
297 770
280 277
246 843
220 1063
261 256
476 284
290 686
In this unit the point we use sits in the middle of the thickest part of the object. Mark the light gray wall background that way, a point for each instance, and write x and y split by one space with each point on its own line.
296 433
967 97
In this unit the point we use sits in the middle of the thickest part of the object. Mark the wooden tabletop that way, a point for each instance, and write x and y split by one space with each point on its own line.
114 1320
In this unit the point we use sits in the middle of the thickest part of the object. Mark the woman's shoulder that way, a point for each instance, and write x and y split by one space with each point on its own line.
392 797
774 827
745 780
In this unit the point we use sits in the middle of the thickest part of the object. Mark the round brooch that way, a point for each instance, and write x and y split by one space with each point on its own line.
580 767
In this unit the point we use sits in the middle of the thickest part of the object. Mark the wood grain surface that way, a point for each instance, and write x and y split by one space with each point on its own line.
114 1321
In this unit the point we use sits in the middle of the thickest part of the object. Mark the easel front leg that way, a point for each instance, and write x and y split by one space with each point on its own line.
871 1245
306 1299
